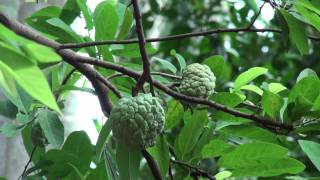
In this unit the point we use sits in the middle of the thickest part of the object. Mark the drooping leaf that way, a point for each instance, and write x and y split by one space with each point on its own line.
271 103
106 23
174 114
102 138
312 149
78 144
42 53
216 64
311 17
128 162
86 13
52 127
160 153
126 24
194 122
180 59
297 32
28 76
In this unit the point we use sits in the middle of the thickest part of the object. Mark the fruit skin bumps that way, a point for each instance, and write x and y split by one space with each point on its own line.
198 81
137 121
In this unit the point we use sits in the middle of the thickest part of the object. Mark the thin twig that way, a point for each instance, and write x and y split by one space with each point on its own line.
195 170
256 16
68 76
28 163
110 86
175 37
152 164
142 46
170 172
166 75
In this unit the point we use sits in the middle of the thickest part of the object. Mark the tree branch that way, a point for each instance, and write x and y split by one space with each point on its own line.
195 170
176 37
256 16
22 176
134 74
152 164
67 55
142 46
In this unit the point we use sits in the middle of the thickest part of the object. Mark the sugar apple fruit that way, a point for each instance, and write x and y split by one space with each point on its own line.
137 121
198 81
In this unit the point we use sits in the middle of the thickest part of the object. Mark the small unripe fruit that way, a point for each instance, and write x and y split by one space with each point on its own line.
137 121
198 81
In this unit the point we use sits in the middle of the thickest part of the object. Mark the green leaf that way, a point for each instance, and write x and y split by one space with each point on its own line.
160 153
174 114
98 173
248 76
225 119
28 76
61 164
27 141
166 64
42 53
312 5
216 64
251 133
9 130
297 32
271 103
306 73
126 24
276 88
70 11
52 127
131 50
253 88
86 13
305 89
58 23
260 159
8 109
312 149
194 122
215 148
223 175
311 17
128 162
226 98
106 23
180 59
78 144
102 138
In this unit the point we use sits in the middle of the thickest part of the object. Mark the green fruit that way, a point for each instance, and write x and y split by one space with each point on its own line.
197 81
137 121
